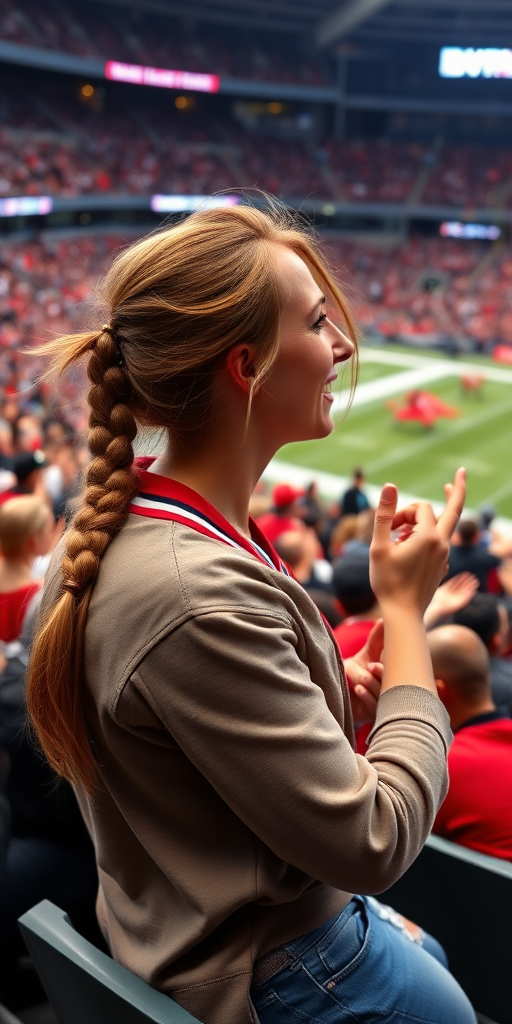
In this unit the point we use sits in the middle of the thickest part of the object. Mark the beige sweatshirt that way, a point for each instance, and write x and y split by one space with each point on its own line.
233 814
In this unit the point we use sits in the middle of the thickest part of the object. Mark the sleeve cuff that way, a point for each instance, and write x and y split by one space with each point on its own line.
416 703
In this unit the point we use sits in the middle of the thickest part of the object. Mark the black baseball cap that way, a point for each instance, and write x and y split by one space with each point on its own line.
25 464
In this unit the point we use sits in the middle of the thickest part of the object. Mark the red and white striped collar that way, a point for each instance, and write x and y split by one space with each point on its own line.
159 497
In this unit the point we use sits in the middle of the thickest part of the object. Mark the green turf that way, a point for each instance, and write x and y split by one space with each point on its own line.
420 460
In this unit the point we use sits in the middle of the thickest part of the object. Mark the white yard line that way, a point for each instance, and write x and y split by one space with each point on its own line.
375 390
452 367
502 492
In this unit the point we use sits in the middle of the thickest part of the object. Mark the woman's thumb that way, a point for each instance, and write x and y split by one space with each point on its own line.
385 513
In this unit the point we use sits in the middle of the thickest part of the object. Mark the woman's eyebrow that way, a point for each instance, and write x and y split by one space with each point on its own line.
320 302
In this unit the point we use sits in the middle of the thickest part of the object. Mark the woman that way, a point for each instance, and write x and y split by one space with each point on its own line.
187 685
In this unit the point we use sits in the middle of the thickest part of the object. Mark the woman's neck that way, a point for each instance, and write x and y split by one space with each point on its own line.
225 480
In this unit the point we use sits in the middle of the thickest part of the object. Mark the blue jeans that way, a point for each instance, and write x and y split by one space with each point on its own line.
360 968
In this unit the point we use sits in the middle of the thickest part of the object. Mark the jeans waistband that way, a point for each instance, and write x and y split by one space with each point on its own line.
272 963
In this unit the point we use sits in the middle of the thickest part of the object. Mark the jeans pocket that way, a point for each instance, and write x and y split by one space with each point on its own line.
346 944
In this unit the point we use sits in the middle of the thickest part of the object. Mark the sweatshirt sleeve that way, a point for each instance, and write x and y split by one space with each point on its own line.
232 691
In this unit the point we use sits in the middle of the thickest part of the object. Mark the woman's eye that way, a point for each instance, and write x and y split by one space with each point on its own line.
318 323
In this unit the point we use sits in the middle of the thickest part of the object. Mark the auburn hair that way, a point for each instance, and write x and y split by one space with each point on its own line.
178 300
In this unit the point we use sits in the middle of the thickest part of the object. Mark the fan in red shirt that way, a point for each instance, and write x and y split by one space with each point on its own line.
26 527
285 515
477 811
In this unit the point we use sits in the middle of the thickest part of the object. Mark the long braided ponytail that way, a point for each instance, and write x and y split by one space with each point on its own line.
55 707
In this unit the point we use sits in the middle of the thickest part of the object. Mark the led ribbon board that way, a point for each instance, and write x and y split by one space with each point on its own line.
161 78
183 204
485 62
457 229
24 206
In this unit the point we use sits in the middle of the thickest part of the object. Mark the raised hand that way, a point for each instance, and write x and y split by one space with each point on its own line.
405 573
450 597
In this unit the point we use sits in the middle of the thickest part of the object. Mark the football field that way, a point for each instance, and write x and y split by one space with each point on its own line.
418 459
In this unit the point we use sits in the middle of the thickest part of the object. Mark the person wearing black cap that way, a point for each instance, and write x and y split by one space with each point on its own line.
351 584
28 470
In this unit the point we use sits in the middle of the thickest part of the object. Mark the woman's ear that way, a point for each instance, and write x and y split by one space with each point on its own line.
241 365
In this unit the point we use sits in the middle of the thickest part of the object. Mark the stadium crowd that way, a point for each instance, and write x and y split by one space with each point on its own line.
142 152
57 144
423 288
159 42
432 288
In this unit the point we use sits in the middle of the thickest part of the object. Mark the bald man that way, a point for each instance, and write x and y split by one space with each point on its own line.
477 811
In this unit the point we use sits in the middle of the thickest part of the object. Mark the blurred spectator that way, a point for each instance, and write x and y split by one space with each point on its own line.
28 470
486 515
327 606
477 811
343 534
487 616
28 436
352 587
285 514
310 505
49 854
6 451
299 550
469 554
26 529
61 478
354 500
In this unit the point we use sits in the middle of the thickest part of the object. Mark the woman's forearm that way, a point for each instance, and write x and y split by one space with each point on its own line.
406 655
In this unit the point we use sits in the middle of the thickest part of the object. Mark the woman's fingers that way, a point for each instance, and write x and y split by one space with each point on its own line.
416 513
385 514
456 495
375 642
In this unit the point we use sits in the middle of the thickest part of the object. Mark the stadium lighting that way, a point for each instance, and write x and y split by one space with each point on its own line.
182 204
457 229
161 78
485 62
25 206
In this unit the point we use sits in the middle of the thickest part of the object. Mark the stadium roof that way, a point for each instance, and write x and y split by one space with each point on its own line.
330 22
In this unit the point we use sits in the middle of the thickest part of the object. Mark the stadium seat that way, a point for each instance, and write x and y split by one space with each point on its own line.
84 985
464 899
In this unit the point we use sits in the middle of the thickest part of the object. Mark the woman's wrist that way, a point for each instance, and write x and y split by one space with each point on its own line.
406 654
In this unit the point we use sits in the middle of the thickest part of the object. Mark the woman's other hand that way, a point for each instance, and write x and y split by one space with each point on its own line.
364 676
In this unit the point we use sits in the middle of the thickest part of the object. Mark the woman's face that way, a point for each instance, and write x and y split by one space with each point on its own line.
295 400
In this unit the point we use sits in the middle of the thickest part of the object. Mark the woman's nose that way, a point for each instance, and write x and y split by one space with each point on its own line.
343 347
